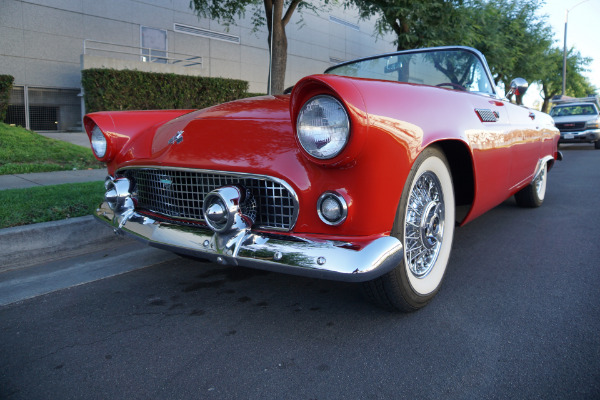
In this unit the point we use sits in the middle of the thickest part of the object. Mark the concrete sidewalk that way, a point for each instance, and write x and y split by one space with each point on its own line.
25 245
22 181
78 138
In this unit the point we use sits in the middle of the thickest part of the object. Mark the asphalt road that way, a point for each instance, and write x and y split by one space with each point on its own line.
518 317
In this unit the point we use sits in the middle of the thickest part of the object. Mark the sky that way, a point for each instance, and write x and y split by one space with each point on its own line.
583 29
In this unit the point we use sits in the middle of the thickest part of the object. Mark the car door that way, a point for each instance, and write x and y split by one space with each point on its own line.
524 144
489 140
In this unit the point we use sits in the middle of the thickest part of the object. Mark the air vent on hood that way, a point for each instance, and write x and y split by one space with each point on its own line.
487 115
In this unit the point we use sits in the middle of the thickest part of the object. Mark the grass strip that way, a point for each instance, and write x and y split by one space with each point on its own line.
49 203
23 151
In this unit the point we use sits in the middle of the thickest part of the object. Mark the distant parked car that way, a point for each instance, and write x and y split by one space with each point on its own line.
360 174
578 120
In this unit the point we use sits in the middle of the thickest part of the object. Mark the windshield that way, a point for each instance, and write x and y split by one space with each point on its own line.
458 69
579 109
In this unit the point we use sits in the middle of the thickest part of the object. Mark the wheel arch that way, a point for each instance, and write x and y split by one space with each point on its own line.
463 178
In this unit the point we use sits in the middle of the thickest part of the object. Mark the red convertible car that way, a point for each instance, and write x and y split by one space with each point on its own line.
360 174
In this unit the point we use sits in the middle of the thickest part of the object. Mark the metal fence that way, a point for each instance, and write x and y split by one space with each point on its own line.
143 54
45 109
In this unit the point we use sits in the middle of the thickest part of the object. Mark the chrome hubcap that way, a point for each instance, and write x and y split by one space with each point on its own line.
424 228
430 225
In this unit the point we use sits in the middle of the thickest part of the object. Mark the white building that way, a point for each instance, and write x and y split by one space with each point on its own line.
45 44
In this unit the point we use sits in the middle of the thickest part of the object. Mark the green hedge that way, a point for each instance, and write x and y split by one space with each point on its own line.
110 89
6 82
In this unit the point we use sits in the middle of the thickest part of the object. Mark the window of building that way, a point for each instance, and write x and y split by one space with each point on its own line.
154 44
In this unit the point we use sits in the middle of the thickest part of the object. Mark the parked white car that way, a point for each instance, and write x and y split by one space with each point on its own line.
578 121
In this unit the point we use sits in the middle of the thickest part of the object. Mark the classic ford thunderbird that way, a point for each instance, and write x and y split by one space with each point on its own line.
359 174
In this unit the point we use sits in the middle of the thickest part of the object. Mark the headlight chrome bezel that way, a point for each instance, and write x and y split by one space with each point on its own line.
98 142
307 134
338 199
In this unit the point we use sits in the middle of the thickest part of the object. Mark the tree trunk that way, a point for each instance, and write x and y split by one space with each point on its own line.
546 105
274 14
548 95
279 64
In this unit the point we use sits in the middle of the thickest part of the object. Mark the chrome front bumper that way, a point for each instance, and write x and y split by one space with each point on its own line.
590 135
298 256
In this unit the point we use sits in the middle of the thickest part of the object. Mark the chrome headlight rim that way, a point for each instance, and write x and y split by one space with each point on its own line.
304 135
343 206
99 142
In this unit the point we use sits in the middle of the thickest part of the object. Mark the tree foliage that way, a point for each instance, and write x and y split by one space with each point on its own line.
551 76
277 11
515 39
425 23
6 83
511 35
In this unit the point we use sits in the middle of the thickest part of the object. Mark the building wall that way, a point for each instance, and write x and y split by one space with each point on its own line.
42 41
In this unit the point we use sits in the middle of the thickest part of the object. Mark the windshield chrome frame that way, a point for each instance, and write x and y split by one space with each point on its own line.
471 50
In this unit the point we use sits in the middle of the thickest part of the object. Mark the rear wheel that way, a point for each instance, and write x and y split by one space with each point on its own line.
424 224
533 194
597 144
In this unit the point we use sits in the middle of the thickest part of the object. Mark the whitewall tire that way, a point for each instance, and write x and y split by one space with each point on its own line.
424 224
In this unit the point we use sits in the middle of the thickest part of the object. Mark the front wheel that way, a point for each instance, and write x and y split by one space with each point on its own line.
533 194
597 144
424 224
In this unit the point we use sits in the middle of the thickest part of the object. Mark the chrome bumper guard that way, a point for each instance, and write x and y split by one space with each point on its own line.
298 256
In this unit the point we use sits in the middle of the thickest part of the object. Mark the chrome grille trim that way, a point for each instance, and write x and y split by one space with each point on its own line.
570 126
179 192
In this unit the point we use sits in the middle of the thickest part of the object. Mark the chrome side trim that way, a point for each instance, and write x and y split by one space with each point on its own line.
298 256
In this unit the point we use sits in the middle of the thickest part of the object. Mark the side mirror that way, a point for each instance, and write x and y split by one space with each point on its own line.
518 87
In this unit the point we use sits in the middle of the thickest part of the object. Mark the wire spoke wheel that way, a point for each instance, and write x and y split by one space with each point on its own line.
424 228
425 225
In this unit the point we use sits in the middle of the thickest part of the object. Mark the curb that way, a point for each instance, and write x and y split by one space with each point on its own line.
26 245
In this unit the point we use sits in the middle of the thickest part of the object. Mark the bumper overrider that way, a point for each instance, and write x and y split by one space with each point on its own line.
229 240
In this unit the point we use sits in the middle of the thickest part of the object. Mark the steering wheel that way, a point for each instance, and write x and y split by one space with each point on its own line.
453 85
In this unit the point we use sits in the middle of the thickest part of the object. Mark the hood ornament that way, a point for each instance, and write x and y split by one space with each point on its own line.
178 138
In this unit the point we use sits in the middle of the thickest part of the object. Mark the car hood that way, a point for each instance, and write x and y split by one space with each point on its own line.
250 135
574 118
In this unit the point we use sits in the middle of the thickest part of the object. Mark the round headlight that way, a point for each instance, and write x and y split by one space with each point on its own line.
323 127
98 142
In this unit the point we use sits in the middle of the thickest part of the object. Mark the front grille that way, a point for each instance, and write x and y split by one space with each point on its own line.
179 194
571 126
